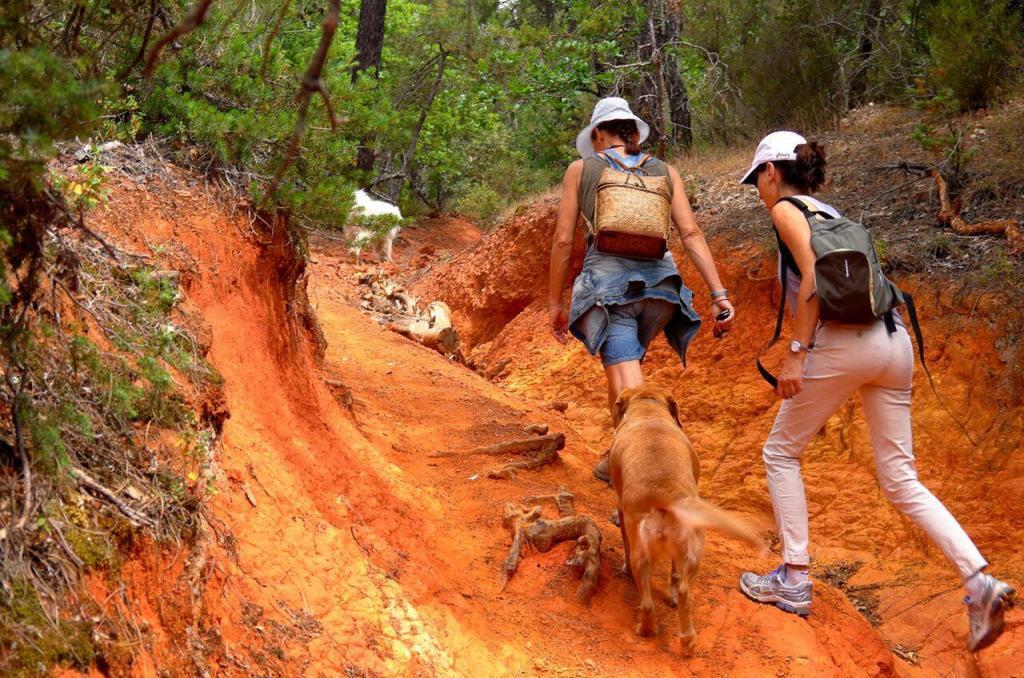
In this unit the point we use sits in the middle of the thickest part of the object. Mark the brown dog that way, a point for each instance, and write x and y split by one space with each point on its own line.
654 472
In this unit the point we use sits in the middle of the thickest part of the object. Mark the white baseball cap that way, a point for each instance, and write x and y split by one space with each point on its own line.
609 108
776 146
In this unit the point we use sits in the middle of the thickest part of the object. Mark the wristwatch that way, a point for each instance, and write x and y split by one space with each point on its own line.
796 347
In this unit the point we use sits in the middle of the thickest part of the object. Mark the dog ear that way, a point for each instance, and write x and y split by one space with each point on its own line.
673 409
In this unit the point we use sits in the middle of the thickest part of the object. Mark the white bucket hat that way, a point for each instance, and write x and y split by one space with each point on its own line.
609 108
774 147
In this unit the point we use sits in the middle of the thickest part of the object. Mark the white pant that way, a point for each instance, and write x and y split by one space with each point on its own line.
846 358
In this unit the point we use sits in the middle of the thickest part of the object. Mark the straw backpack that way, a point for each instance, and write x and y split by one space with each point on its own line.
632 211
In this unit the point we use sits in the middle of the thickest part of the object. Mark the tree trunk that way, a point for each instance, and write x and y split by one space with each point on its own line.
662 120
369 37
403 173
678 104
664 101
369 43
865 45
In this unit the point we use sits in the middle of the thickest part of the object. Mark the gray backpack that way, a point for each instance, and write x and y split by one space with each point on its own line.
847 274
848 277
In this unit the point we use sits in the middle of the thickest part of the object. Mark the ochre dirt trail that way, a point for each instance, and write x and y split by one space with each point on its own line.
339 544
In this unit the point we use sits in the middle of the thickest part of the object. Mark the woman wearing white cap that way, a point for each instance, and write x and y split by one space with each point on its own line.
826 363
620 304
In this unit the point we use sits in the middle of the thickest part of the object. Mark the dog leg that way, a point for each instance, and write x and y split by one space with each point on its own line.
626 572
685 566
642 568
673 586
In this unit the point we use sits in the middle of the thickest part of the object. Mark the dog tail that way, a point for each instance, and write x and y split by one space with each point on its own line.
695 512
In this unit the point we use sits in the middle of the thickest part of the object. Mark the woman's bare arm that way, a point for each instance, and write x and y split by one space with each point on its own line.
796 235
561 247
695 244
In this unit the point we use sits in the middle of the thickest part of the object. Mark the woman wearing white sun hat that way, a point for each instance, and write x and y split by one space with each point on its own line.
620 304
826 363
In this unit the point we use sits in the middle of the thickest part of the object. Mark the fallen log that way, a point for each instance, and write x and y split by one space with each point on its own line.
399 311
528 527
407 303
442 339
438 314
949 215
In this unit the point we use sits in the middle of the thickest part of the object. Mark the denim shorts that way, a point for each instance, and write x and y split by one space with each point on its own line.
631 327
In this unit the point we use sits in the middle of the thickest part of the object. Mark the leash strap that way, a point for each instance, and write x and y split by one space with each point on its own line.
768 376
919 337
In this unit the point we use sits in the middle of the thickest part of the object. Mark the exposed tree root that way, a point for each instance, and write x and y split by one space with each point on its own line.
563 500
528 527
540 444
544 450
949 215
495 370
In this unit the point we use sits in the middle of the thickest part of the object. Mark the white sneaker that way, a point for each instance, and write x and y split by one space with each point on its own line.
772 588
985 613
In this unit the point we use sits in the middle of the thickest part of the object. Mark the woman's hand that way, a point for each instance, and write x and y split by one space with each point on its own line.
722 327
558 318
791 378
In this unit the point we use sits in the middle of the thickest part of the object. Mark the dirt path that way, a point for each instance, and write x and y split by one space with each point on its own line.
410 403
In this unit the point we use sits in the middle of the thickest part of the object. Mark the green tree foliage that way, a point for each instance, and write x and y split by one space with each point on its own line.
518 79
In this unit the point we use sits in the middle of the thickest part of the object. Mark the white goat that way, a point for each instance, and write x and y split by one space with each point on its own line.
360 238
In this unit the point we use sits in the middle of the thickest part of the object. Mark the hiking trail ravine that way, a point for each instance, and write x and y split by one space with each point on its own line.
354 551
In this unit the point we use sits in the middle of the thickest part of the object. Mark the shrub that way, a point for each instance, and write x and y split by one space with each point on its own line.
481 202
973 49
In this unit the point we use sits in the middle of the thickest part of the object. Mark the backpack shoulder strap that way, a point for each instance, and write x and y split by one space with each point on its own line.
612 159
638 167
768 376
809 209
642 162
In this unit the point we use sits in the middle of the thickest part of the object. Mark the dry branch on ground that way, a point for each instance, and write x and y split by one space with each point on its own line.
543 450
399 311
949 215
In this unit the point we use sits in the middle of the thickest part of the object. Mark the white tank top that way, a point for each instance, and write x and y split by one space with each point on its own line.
793 277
